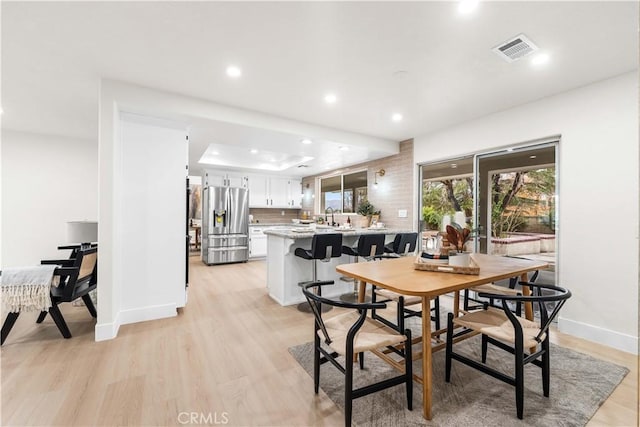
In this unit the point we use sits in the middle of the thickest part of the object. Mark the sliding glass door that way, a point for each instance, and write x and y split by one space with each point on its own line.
507 197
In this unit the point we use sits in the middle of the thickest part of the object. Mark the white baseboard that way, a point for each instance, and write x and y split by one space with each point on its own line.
599 335
147 313
107 331
276 299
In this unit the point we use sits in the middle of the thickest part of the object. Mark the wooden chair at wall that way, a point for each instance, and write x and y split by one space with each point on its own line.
78 277
83 280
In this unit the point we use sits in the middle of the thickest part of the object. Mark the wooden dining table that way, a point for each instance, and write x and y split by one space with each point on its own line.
399 275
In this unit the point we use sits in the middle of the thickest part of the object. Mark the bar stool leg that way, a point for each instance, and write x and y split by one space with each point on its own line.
304 306
353 296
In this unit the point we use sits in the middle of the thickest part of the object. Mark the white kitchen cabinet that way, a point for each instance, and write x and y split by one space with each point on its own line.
258 191
257 242
274 192
279 192
220 178
295 193
235 179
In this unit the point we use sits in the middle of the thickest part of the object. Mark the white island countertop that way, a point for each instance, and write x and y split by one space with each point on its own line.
285 270
307 232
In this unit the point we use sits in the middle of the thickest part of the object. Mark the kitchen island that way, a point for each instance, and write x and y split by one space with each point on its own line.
285 270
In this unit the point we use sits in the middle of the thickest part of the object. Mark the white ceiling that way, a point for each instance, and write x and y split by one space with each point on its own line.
277 152
292 53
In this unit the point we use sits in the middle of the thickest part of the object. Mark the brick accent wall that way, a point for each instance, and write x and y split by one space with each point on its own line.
395 189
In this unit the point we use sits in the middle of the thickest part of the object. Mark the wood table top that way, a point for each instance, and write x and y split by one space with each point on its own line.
400 276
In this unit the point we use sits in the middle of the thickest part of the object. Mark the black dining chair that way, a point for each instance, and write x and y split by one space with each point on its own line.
517 335
350 333
404 244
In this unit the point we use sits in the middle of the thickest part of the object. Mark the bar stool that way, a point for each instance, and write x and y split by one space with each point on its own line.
369 247
403 245
323 247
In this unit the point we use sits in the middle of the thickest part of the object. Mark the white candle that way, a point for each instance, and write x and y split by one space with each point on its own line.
460 219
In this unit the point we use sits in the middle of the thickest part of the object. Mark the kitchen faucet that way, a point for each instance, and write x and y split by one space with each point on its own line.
333 222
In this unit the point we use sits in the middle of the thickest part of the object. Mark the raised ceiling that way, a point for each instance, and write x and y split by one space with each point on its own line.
293 53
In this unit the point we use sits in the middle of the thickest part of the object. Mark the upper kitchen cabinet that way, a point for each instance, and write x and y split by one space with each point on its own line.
274 192
217 178
295 193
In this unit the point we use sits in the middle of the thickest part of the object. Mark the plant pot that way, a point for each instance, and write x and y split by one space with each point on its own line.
460 259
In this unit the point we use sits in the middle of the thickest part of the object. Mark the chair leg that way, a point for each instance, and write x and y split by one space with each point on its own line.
449 349
54 311
466 300
485 342
436 307
519 379
348 388
316 363
41 317
401 314
361 359
8 324
373 300
545 366
92 308
408 369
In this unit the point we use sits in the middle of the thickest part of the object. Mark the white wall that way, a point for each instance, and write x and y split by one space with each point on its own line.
152 218
46 181
117 305
598 190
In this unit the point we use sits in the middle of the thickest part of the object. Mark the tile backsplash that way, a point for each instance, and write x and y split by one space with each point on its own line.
394 193
269 215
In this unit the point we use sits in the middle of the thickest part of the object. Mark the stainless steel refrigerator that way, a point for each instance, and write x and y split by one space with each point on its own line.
225 225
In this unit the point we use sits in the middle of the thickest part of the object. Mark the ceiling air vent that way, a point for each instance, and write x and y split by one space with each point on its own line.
515 48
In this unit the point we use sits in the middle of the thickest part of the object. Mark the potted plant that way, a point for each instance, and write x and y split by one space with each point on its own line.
367 210
458 237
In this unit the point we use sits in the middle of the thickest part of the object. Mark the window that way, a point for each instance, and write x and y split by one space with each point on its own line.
343 193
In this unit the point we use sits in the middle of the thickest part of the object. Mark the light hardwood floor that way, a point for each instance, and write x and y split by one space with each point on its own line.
224 356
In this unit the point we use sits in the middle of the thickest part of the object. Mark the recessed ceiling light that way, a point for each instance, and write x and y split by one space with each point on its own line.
453 165
509 149
532 157
330 98
306 141
540 59
215 153
233 71
344 148
400 74
254 151
397 117
467 6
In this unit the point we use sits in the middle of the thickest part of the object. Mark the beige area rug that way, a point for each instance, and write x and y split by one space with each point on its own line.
579 385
